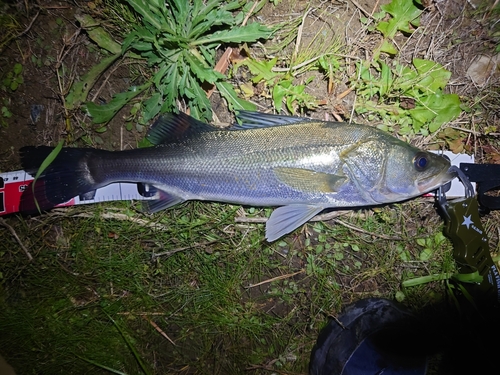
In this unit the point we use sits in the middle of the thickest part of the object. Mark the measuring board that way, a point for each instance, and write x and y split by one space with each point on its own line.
13 184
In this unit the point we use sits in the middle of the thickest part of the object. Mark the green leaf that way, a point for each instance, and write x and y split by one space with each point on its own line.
473 277
98 34
435 76
421 241
422 114
426 279
146 11
200 108
436 110
248 5
180 8
385 79
104 113
200 70
447 109
239 34
404 13
45 163
261 69
18 69
234 102
80 90
152 106
388 47
426 254
279 92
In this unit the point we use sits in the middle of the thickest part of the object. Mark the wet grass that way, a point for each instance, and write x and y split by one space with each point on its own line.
199 295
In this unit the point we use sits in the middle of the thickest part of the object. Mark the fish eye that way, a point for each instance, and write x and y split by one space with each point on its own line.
420 161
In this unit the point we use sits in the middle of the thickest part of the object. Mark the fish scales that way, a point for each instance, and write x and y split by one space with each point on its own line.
222 165
304 166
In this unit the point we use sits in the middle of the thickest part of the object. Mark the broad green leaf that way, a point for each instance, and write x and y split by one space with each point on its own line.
239 34
422 114
169 88
98 34
436 110
473 277
129 40
217 18
200 100
447 110
208 54
385 79
145 10
261 69
388 47
104 113
202 13
152 106
435 75
80 90
426 279
234 102
426 254
279 92
200 70
404 13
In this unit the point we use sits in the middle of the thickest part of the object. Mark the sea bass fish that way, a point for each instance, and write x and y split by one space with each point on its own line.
301 165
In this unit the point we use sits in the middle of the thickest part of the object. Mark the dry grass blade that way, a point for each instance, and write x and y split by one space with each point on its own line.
14 234
282 277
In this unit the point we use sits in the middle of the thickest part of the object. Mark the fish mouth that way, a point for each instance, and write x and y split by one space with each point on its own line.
434 182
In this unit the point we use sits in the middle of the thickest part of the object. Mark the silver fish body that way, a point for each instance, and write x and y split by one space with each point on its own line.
302 165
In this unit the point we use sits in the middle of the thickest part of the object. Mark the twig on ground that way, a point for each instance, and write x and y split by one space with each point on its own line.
118 216
29 25
357 229
127 313
322 217
155 326
274 279
366 13
173 251
14 234
299 34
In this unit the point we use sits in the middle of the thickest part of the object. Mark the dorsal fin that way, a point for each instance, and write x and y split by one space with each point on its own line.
172 127
252 120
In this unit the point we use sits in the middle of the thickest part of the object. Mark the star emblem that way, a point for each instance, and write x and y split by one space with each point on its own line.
467 221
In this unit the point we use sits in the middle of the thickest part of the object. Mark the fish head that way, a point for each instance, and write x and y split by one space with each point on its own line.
410 172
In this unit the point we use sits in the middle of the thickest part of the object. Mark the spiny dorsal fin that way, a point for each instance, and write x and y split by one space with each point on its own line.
252 120
172 127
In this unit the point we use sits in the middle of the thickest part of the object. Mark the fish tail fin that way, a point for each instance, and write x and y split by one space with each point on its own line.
65 178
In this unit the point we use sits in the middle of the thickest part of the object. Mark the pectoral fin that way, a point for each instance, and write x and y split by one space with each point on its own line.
309 180
285 219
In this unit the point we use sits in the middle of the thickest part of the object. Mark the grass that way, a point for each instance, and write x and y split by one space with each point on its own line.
222 299
192 290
